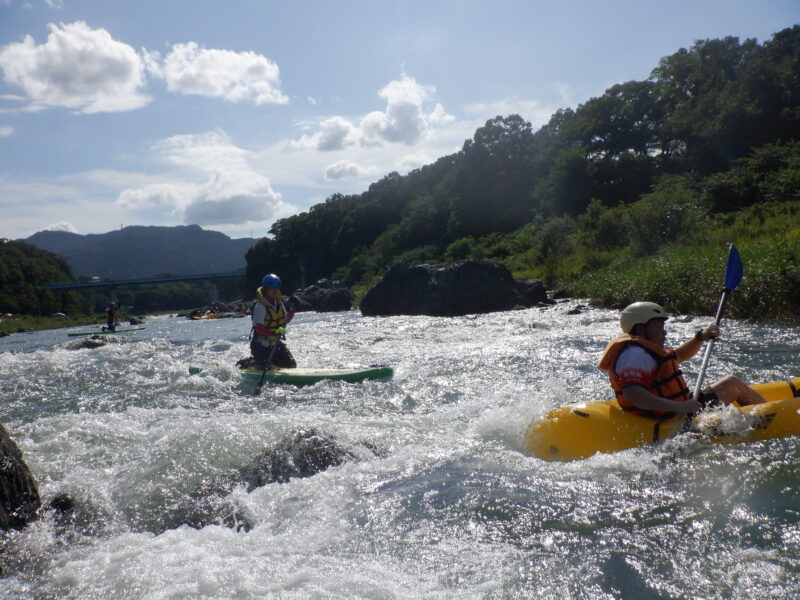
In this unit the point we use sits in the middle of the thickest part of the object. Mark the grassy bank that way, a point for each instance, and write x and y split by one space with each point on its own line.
689 280
29 323
688 277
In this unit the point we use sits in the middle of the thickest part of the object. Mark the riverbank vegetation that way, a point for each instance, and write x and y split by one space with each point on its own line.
24 272
23 323
634 194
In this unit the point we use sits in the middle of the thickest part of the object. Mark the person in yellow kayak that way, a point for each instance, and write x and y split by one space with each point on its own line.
646 377
270 317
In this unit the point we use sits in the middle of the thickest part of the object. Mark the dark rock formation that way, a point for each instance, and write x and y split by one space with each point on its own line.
93 341
326 296
19 495
301 454
467 287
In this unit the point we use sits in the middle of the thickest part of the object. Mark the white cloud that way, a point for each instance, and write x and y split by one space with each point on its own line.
6 131
77 67
334 134
226 191
156 194
403 120
61 226
344 169
234 76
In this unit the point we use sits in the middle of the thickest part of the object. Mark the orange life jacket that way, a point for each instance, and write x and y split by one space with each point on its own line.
668 381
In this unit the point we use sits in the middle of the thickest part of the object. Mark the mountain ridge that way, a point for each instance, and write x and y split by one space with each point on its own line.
146 250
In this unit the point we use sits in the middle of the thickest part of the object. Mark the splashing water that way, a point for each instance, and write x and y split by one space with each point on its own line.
434 498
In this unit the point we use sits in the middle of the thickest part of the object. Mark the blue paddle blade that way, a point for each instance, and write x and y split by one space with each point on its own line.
734 270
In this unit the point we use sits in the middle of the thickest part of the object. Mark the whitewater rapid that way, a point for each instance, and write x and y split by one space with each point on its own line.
448 506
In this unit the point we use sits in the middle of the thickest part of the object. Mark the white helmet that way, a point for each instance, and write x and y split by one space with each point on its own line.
640 313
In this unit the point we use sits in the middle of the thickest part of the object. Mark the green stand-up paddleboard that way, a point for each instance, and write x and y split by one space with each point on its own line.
303 376
104 332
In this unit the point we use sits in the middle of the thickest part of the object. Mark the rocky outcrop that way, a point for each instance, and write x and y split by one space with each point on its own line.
19 495
467 287
303 453
326 296
93 341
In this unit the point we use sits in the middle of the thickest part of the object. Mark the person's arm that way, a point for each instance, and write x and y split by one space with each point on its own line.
691 346
641 398
290 312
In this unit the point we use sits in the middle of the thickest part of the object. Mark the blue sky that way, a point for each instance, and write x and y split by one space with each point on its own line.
233 114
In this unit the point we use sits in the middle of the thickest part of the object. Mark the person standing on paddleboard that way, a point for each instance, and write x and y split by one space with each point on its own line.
270 317
646 377
111 317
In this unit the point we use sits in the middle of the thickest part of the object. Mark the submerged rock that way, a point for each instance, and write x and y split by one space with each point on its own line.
467 287
19 494
300 454
93 341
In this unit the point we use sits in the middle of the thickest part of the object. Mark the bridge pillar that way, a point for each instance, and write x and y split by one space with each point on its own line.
113 296
214 291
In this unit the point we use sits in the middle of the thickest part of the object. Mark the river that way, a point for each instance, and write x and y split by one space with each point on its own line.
445 507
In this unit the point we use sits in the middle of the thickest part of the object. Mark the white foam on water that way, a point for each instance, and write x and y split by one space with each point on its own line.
440 503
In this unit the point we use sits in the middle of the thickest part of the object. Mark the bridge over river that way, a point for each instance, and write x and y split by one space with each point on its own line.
112 285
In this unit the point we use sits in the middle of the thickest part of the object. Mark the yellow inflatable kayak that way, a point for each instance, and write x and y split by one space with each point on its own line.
578 431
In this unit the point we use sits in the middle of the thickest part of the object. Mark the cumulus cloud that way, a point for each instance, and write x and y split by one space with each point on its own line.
334 134
403 120
230 192
77 67
344 169
234 76
6 131
62 226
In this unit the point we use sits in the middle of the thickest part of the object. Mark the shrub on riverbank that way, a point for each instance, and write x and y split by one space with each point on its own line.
688 277
689 280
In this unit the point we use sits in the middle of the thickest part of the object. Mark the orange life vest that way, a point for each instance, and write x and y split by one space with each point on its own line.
668 381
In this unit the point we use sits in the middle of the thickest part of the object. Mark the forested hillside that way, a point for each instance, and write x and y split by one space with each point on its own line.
24 271
682 159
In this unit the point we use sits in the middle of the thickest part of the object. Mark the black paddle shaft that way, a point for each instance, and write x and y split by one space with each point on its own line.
266 368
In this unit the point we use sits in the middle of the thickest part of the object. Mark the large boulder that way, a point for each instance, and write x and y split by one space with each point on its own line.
326 296
19 495
467 287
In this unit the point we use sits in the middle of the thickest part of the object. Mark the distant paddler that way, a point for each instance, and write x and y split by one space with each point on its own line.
270 317
647 379
111 317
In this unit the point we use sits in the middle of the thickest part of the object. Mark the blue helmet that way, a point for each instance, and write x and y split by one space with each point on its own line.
271 280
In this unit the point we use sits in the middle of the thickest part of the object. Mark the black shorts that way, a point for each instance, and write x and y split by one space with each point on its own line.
708 398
